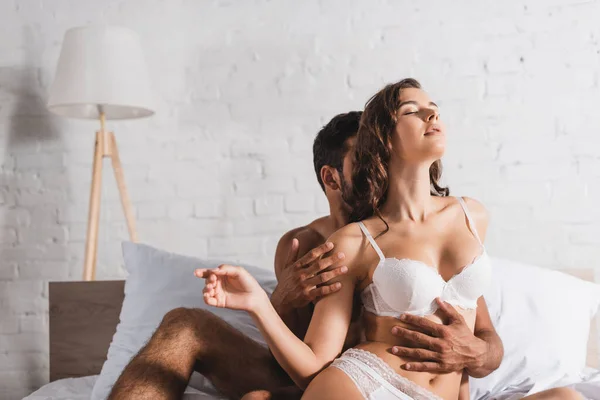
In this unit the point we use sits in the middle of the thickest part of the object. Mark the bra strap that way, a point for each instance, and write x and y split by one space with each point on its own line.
469 219
368 235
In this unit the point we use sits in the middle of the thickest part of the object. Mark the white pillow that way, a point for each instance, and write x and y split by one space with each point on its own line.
158 282
543 318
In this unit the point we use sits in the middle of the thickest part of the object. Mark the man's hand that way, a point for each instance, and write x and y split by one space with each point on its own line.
439 348
304 280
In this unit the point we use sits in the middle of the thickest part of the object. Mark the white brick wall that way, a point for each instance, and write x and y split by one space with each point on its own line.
224 167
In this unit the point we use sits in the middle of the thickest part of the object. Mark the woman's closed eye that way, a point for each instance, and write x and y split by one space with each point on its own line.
425 110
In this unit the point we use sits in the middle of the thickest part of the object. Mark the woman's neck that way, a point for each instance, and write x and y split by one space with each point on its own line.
409 193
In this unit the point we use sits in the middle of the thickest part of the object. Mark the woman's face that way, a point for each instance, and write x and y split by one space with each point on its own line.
419 134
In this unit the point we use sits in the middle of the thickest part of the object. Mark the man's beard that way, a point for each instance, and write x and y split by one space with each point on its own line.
346 194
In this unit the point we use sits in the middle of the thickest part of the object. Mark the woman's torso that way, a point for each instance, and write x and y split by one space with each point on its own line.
379 341
446 241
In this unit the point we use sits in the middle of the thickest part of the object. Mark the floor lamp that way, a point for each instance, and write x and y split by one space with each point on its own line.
102 75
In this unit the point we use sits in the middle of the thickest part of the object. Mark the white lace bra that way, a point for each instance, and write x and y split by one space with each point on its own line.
404 286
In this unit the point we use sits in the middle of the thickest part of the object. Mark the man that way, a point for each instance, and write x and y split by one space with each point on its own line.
193 339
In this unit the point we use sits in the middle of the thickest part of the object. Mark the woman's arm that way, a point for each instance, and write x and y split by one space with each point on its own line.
463 392
329 324
233 287
324 339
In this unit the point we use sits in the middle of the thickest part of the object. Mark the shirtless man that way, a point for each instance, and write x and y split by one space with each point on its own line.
190 340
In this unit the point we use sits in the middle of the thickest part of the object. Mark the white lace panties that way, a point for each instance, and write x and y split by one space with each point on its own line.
376 380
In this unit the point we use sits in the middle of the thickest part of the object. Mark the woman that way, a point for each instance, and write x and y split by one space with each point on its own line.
411 245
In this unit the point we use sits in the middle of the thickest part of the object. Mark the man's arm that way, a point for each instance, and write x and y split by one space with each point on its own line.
302 280
297 319
493 350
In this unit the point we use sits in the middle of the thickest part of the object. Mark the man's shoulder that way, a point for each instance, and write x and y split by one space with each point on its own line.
319 231
308 238
305 233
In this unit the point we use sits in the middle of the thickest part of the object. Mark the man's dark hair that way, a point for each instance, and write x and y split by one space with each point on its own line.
330 145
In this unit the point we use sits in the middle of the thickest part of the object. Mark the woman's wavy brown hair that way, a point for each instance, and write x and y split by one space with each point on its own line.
370 178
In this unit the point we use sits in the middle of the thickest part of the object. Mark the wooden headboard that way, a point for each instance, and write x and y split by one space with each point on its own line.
84 316
83 320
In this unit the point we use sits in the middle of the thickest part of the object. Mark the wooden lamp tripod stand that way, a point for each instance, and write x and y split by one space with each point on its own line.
106 146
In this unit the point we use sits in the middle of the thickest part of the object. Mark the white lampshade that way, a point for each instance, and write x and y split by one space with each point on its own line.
101 67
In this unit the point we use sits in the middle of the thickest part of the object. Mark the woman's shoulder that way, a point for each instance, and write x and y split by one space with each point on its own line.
350 241
476 209
479 213
348 234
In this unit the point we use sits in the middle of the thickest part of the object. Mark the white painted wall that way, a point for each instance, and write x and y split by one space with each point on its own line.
225 166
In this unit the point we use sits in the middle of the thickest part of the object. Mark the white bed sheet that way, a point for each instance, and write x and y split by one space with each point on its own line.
587 383
81 388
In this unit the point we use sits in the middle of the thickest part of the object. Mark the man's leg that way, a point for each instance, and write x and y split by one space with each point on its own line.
194 339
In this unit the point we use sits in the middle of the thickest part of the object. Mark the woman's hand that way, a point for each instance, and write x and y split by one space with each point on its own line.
231 287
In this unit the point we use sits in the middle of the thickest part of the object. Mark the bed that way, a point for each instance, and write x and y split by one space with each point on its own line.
83 319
